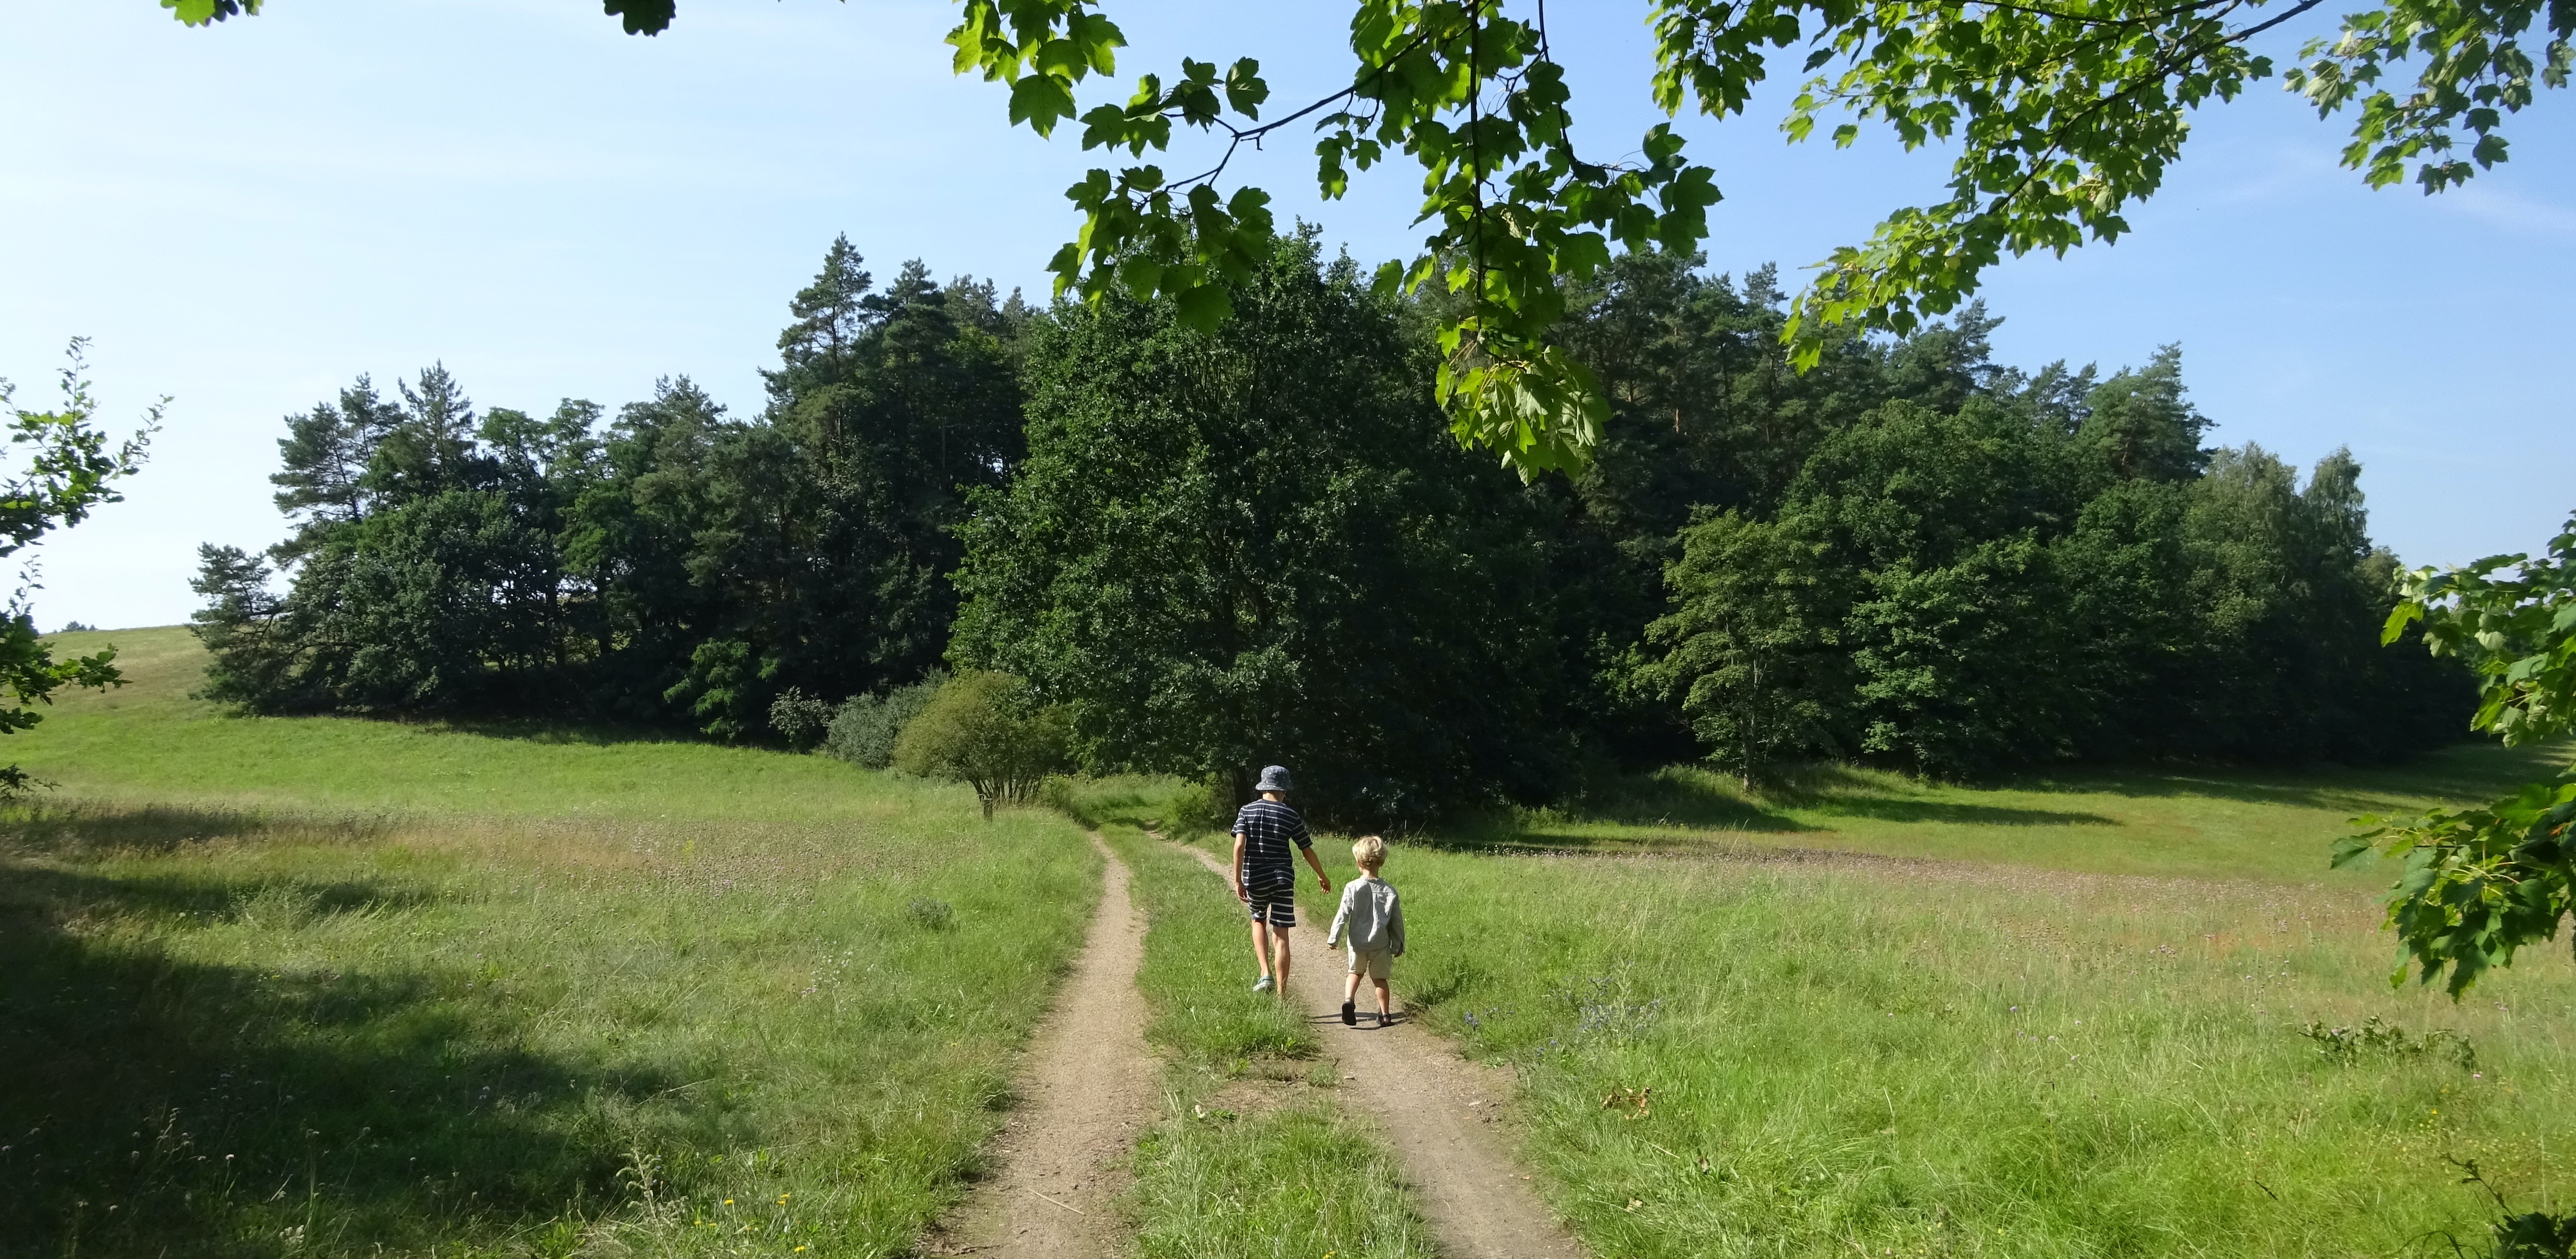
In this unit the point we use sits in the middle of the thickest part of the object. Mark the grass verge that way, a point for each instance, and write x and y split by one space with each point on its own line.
722 1002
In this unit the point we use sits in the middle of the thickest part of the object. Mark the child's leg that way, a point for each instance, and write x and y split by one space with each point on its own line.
1261 944
1383 1006
1350 987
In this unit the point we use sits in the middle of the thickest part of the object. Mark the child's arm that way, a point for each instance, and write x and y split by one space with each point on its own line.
1395 922
1341 919
1321 880
1234 872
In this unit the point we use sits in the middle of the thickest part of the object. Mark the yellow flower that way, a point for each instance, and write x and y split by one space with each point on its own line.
728 1202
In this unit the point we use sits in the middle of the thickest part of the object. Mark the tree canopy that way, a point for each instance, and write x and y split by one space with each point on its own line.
1208 550
2482 883
71 469
2060 115
670 562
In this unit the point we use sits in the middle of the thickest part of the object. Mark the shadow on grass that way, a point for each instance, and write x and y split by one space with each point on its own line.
1695 806
2466 773
555 731
1842 791
165 1106
82 829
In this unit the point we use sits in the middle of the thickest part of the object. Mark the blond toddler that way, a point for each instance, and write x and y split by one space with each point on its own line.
1373 922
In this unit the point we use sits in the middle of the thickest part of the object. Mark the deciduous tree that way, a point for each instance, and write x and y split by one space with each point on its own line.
2481 884
2062 115
71 469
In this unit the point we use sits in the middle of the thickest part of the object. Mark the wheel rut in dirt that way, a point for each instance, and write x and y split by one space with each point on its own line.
1087 1091
1440 1113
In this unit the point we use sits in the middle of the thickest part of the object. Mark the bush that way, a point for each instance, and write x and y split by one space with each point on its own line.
988 730
864 730
799 718
1199 806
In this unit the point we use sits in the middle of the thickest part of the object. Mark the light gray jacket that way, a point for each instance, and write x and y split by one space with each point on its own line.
1371 916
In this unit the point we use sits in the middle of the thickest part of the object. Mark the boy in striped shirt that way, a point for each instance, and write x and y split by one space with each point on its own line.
1265 877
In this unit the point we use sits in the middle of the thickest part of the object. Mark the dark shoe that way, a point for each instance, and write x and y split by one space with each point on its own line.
1350 1018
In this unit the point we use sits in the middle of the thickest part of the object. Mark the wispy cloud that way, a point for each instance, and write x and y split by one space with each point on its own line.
2511 210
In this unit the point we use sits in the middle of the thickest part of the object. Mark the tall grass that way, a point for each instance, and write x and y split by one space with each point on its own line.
331 987
1732 1057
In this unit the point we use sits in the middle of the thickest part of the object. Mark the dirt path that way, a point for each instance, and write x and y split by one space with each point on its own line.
1437 1111
1088 1092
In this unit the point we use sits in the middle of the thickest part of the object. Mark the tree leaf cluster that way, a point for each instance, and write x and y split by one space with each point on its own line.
2061 115
1962 591
990 731
1232 548
1256 544
669 565
70 468
2480 884
864 728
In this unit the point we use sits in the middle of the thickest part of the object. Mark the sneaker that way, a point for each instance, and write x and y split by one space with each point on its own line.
1263 984
1350 1016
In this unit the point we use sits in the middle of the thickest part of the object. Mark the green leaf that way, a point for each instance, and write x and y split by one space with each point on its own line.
1040 100
1203 309
207 12
1244 88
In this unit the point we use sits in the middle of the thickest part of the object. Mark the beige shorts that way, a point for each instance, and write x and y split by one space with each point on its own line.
1374 965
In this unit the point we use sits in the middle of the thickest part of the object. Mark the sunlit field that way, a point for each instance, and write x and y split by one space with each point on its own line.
1741 1029
327 986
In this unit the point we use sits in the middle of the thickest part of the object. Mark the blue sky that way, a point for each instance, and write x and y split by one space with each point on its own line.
246 217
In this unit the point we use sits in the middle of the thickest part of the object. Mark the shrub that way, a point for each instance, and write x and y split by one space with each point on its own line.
799 718
988 730
863 731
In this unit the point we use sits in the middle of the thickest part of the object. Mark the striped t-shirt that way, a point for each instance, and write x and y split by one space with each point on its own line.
1267 828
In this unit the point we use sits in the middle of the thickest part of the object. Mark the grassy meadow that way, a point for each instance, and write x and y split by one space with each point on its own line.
329 986
1856 1014
1726 1057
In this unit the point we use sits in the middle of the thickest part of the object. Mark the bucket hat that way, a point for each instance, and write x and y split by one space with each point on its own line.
1275 778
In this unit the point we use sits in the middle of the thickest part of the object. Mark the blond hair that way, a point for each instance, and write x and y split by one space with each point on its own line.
1369 852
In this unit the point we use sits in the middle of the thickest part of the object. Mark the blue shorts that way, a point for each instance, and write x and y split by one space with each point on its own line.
1274 905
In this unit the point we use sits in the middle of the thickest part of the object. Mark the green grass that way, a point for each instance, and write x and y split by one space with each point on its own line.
2201 823
1894 1058
477 989
150 743
1298 1180
328 985
1250 1157
2060 1018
